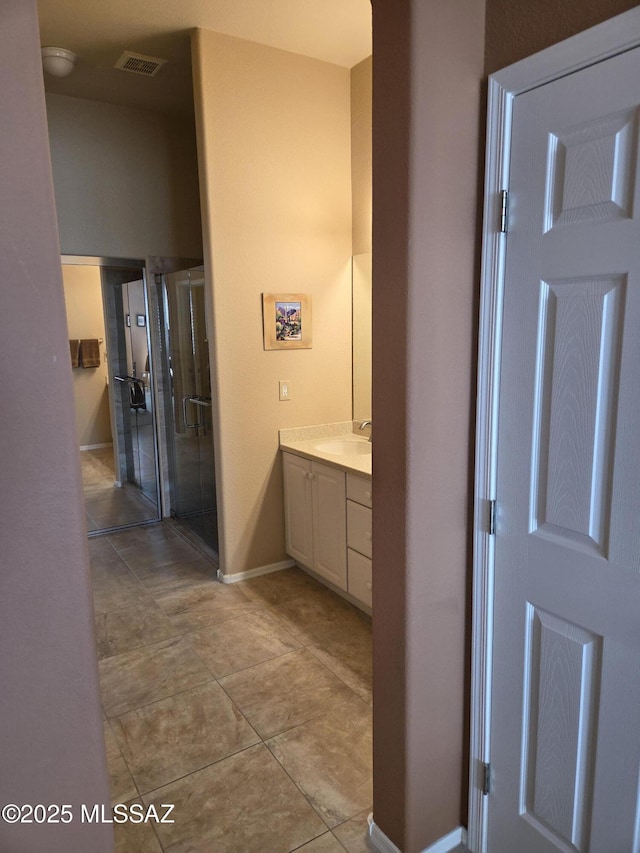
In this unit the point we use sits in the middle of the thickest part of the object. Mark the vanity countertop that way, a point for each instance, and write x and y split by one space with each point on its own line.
333 444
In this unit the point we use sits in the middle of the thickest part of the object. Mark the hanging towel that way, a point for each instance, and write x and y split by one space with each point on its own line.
74 348
90 352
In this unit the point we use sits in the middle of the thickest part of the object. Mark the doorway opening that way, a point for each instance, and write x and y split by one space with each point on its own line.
143 398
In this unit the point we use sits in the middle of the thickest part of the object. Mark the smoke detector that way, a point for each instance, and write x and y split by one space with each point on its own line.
58 61
138 63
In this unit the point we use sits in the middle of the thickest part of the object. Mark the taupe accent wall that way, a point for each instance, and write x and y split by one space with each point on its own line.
51 738
429 97
427 75
517 30
275 171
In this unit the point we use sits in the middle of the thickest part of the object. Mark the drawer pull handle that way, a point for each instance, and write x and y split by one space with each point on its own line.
367 495
311 475
369 585
368 534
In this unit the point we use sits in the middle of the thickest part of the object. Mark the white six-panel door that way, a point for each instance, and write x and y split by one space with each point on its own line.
565 710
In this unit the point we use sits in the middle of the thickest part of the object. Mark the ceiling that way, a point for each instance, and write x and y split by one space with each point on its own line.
98 31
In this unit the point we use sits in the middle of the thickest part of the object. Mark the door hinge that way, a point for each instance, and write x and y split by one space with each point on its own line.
486 778
504 211
492 517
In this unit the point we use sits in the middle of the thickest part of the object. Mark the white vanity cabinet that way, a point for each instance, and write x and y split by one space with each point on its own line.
328 523
315 519
359 530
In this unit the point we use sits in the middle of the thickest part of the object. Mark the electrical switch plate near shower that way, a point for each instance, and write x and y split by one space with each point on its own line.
285 389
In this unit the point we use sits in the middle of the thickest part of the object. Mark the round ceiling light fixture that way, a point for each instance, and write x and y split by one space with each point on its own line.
58 61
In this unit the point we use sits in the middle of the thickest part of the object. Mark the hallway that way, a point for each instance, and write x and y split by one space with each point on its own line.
247 706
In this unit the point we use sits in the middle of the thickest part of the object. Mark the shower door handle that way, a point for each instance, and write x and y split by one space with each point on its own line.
188 399
185 419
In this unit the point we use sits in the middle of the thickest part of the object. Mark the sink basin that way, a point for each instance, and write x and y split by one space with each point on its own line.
345 447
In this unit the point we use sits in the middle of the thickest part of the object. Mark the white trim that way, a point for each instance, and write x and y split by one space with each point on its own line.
608 39
254 573
96 446
445 844
448 842
379 839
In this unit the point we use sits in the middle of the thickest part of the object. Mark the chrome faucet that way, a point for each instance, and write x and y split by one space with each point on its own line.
366 424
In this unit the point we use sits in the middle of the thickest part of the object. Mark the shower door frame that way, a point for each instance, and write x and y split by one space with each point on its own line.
172 266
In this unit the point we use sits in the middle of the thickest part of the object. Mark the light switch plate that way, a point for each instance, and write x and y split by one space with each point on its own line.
285 389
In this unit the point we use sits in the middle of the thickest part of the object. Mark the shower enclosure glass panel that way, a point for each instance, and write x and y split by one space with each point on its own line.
134 387
193 494
133 424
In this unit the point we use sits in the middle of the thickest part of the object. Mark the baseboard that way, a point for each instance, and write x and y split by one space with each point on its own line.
448 842
443 845
254 573
96 446
379 839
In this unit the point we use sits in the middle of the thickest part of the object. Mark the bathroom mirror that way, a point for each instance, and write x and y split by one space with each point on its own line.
361 289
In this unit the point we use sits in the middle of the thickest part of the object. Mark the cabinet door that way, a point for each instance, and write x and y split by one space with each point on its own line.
298 508
359 528
329 524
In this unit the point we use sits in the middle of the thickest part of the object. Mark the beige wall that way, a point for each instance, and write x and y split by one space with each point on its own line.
274 155
85 319
51 738
361 108
428 106
126 180
362 343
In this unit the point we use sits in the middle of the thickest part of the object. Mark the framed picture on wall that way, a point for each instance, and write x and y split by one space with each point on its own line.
286 320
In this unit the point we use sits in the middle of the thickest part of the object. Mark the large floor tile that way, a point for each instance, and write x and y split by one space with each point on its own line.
129 628
277 587
346 651
243 804
326 843
354 834
146 675
329 759
121 784
170 577
241 642
136 837
313 616
115 586
173 737
203 604
154 552
285 692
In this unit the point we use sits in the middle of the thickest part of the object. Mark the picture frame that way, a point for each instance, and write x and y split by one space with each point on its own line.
141 320
286 321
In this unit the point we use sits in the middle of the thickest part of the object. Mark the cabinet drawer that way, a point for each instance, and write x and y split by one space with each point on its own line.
359 528
359 489
360 578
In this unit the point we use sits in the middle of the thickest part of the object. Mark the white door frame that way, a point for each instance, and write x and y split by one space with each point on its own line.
612 37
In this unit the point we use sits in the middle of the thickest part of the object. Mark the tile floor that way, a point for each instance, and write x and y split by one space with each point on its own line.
247 706
105 504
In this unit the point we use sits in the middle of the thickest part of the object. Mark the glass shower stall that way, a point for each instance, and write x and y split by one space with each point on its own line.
187 404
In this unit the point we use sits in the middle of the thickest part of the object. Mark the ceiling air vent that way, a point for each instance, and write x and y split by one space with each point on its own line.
137 63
